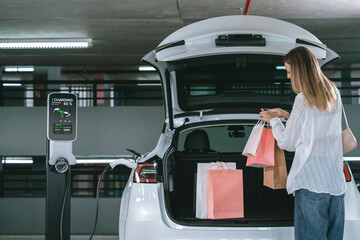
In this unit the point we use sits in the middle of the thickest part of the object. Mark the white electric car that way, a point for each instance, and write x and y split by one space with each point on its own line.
216 75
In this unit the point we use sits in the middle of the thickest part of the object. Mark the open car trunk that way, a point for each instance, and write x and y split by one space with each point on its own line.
216 63
262 206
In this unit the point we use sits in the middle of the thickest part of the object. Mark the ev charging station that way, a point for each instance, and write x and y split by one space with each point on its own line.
61 132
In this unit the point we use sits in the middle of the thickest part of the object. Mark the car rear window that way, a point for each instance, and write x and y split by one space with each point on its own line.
222 139
231 81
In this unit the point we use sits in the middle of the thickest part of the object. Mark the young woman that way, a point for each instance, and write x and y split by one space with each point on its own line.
313 131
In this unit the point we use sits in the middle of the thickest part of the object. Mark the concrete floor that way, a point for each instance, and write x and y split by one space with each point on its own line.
42 237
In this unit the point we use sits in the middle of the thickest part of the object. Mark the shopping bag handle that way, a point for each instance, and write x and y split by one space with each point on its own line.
220 165
260 122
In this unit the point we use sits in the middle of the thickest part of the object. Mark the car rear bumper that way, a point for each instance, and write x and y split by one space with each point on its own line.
162 232
147 219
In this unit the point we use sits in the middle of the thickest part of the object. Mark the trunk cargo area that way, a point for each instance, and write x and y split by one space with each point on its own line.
262 205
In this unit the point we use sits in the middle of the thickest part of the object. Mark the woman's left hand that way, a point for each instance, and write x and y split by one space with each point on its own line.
266 116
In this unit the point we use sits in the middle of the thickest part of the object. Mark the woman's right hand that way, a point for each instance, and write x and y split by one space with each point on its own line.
278 112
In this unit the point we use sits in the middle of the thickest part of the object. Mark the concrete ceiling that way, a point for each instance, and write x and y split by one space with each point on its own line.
123 31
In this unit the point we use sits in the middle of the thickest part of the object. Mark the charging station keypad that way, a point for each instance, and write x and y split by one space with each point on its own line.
62 128
62 116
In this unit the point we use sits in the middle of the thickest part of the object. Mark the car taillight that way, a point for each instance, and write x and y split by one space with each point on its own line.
145 173
347 173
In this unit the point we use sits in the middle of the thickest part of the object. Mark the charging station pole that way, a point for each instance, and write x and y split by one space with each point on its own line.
61 132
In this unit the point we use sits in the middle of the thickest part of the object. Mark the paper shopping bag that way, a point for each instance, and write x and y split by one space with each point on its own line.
202 178
225 194
275 177
253 140
265 153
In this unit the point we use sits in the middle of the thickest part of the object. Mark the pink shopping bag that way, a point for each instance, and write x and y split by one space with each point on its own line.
202 181
265 153
225 194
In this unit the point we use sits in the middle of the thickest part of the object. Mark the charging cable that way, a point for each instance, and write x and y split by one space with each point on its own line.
67 183
97 198
112 165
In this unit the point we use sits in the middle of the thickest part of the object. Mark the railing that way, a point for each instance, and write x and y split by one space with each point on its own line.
90 93
29 180
125 92
18 180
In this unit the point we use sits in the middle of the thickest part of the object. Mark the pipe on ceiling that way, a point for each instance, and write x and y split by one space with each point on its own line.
247 7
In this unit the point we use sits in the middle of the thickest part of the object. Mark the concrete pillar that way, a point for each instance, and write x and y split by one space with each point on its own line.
2 180
356 74
1 165
1 88
346 75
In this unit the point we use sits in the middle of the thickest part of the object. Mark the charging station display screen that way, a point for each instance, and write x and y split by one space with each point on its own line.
62 116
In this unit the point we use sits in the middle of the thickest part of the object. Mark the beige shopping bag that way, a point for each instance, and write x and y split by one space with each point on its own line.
275 177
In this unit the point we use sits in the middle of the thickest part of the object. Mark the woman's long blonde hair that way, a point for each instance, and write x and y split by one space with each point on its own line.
307 77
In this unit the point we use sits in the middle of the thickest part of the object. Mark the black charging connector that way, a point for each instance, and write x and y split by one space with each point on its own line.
61 165
67 186
97 198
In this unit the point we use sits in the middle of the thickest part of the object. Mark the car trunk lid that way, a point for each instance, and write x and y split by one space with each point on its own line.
231 62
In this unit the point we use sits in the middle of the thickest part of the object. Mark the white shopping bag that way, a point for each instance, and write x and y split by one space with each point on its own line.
202 179
253 140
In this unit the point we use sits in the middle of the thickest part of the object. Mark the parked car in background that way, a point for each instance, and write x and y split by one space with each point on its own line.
216 74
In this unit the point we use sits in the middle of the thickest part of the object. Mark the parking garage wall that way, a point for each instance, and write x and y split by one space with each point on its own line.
101 131
23 216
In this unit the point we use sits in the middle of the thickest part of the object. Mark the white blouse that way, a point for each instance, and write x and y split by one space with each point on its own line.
315 136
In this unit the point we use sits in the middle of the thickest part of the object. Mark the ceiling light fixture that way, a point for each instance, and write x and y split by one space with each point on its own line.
45 43
278 83
17 160
149 84
146 68
19 69
11 69
25 69
12 84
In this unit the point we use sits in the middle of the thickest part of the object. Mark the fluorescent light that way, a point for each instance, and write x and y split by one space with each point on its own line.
149 84
351 158
287 83
25 69
45 43
146 68
280 68
11 69
17 160
12 84
19 69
